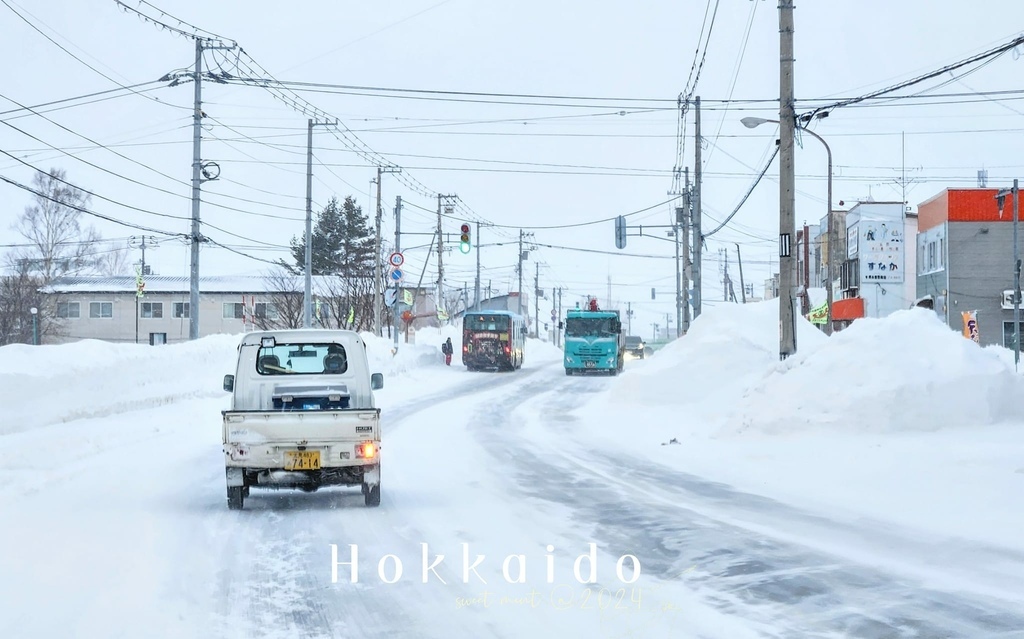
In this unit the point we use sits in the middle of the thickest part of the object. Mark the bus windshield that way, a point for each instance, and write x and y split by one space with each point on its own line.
486 323
589 327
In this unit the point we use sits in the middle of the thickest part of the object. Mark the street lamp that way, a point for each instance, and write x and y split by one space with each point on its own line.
752 122
35 325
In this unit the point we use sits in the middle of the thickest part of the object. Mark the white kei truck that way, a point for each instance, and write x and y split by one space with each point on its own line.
302 414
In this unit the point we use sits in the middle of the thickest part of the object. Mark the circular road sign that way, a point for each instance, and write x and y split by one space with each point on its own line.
397 275
396 259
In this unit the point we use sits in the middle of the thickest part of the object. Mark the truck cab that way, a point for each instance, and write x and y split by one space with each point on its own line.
302 414
594 342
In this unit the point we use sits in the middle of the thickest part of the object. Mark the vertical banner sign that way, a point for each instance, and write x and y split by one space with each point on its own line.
971 325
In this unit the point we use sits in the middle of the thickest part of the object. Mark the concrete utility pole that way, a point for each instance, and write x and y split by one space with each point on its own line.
307 299
1016 280
686 254
743 286
440 262
398 249
787 182
198 173
378 294
197 136
476 292
536 305
559 333
725 276
629 317
805 298
520 269
139 242
697 237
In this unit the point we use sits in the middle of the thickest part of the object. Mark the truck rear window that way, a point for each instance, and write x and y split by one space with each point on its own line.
302 359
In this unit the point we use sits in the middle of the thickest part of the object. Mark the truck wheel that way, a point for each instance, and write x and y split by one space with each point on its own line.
372 498
568 371
236 497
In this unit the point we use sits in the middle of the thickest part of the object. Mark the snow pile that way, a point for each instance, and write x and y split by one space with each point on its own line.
42 385
727 349
908 371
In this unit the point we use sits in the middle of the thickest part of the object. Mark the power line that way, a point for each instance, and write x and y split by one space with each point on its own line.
40 31
86 211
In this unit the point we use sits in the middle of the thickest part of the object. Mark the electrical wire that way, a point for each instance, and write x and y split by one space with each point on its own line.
86 211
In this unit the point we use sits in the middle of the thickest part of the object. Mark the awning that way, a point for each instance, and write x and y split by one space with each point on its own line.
848 309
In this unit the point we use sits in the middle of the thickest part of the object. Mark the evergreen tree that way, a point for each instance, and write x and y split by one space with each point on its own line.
343 243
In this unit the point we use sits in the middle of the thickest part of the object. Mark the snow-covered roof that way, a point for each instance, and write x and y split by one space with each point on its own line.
179 284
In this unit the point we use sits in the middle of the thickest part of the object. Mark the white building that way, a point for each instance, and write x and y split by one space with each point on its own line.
875 281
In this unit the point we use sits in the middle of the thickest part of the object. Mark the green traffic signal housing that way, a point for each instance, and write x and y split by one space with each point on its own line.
464 240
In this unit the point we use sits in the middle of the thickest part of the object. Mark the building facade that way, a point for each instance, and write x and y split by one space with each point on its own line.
874 278
110 309
965 261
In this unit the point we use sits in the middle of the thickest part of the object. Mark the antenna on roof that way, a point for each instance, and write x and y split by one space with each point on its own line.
982 178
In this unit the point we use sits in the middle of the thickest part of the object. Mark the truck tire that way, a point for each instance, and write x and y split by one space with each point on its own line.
568 371
236 497
372 495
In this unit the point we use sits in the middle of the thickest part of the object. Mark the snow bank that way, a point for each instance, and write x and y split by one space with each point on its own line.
908 371
42 385
727 349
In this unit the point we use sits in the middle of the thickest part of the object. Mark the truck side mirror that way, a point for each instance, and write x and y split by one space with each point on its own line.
229 383
376 381
561 325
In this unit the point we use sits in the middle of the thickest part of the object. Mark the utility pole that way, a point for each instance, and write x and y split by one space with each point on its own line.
398 249
629 317
140 243
686 255
559 314
743 286
697 237
725 276
199 171
476 292
787 182
1016 280
197 136
536 304
655 338
440 262
378 293
307 300
668 324
805 298
520 270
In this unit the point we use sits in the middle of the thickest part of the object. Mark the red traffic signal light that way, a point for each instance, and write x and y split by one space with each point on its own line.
465 229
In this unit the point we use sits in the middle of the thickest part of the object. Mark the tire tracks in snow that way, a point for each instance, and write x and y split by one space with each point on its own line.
748 560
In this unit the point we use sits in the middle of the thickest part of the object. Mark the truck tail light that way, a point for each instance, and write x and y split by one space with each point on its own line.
366 450
508 350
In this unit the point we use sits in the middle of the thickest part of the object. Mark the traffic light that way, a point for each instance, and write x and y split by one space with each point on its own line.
464 240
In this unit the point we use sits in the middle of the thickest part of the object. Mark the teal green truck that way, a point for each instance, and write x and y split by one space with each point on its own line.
594 342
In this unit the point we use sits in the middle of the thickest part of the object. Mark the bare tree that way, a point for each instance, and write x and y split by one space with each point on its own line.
113 260
52 225
285 295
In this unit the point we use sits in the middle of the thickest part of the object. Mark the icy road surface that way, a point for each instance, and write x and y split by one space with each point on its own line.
129 535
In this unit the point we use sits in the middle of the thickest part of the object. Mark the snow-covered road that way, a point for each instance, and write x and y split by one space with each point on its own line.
132 537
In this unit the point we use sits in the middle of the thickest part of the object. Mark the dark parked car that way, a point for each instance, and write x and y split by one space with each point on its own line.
635 346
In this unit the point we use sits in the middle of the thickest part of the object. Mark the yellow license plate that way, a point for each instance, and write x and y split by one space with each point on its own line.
302 460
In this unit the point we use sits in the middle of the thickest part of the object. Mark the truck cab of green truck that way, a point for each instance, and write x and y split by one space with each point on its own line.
594 342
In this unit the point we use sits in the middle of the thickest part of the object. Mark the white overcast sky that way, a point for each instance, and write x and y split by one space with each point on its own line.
514 165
